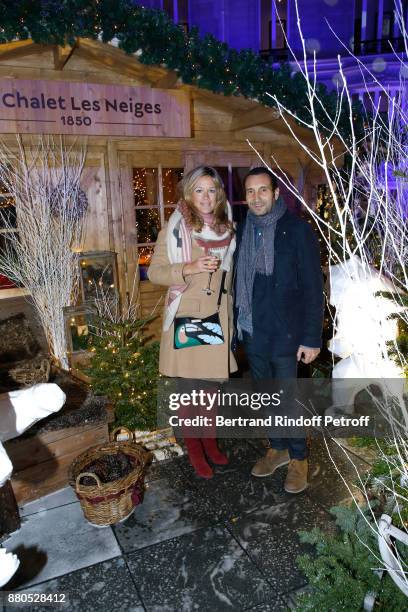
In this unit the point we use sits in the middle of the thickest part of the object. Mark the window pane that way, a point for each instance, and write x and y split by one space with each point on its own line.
265 24
280 34
387 25
97 277
238 191
7 208
183 11
147 224
239 212
79 325
171 177
145 186
168 211
223 172
168 7
145 254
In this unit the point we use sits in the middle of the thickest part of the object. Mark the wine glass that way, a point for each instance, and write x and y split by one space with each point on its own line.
214 253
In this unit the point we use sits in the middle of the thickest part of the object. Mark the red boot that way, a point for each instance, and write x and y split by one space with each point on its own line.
197 459
213 452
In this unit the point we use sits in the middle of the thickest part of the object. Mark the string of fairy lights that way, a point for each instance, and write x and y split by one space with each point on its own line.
148 204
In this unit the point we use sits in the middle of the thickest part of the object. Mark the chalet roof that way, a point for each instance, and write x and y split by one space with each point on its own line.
245 113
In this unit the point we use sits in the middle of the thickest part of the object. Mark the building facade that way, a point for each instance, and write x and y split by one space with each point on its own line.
365 27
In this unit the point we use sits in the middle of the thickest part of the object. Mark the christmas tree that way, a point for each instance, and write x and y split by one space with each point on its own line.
124 368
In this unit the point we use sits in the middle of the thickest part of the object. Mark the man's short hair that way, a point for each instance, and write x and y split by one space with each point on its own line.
262 170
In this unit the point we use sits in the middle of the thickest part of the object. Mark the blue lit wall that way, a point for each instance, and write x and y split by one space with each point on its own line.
233 21
313 14
208 15
244 24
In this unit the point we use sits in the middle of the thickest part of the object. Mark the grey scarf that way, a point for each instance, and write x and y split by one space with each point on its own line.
254 259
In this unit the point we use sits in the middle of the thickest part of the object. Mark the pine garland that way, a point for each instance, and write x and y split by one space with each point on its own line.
201 61
343 572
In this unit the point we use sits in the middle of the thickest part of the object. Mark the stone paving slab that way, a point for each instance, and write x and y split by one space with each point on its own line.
238 451
53 500
234 492
55 542
225 543
204 570
106 586
271 540
279 604
162 469
327 487
171 507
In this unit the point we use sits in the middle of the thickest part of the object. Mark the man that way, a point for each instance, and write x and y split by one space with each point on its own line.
278 304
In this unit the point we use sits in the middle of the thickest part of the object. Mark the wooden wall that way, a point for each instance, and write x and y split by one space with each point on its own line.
220 130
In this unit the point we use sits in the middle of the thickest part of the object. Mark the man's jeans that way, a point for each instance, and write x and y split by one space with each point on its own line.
265 367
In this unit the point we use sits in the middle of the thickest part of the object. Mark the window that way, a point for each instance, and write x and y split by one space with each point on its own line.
178 11
387 25
7 208
233 179
168 6
7 220
270 39
155 192
183 14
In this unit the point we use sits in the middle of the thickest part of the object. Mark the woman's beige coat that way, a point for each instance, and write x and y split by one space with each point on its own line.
209 361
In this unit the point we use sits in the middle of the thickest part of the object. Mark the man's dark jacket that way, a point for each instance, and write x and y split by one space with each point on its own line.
287 307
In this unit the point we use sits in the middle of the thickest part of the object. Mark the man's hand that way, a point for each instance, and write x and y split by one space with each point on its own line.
307 354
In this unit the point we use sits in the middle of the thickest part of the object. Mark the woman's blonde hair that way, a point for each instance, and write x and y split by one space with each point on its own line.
187 186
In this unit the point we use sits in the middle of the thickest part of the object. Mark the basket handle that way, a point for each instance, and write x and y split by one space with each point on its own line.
82 474
115 431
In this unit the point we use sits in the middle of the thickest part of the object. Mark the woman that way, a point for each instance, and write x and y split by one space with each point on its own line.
193 257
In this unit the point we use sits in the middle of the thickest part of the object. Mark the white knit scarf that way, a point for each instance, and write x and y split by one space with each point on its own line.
179 249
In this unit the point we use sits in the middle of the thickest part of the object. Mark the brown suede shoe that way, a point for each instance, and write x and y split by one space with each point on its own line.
271 462
296 480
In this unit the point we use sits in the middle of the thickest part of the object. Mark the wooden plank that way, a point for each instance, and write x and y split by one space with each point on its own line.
13 293
9 514
117 60
150 291
130 235
152 156
116 214
172 149
256 116
219 158
32 451
20 48
96 226
77 70
148 287
18 446
168 81
60 107
62 55
46 477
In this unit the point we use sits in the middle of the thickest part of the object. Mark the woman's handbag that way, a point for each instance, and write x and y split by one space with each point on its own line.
192 331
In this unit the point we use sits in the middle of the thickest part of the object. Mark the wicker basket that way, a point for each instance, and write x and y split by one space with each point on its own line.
112 502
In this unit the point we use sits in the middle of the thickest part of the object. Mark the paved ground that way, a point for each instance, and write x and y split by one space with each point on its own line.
229 543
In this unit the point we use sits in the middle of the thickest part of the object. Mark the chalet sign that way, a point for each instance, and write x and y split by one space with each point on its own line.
61 107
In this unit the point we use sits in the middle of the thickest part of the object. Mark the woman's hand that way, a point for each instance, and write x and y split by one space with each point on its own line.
206 263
